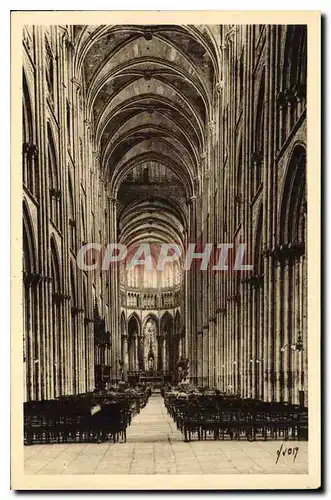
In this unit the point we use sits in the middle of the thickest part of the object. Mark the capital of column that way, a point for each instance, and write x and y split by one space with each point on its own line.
55 193
60 297
255 281
88 321
87 124
76 310
229 35
76 83
289 251
300 91
219 86
32 279
193 199
26 148
211 125
256 159
46 278
234 298
69 43
96 156
30 150
34 151
113 200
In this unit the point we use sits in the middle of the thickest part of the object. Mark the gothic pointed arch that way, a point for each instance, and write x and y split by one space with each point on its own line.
29 242
258 240
71 213
293 200
74 323
57 307
28 124
258 155
30 172
54 178
31 344
134 322
153 317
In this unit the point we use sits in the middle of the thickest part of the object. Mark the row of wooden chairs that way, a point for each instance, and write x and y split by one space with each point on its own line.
222 418
83 418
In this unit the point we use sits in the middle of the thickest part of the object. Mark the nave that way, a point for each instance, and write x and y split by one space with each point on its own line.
141 138
139 135
155 446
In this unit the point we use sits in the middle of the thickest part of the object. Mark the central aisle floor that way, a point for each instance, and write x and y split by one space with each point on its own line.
155 446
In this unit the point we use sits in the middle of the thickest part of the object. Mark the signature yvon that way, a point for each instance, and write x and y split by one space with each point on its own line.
287 451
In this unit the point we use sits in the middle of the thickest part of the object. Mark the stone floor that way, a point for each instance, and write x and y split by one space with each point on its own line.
155 446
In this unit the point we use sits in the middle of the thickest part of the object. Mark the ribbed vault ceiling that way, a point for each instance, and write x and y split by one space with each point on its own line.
148 97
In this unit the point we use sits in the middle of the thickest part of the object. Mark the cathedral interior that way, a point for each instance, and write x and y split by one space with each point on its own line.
155 135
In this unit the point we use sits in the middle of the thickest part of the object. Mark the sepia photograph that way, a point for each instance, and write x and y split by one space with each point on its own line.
165 320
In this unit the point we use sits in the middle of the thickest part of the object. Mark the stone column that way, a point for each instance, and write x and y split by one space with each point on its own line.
230 340
165 354
141 353
304 328
301 317
180 345
43 226
205 354
125 359
114 311
297 330
227 348
286 354
89 339
219 325
243 287
249 341
260 360
245 360
253 357
192 280
278 332
266 346
135 353
199 374
212 355
224 350
28 355
186 309
271 334
81 351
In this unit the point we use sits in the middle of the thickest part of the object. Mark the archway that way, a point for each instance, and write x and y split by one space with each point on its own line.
135 345
56 321
124 347
167 330
29 150
292 263
30 307
151 342
257 355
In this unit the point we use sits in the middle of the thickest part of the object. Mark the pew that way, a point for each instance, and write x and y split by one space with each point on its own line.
218 416
91 417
